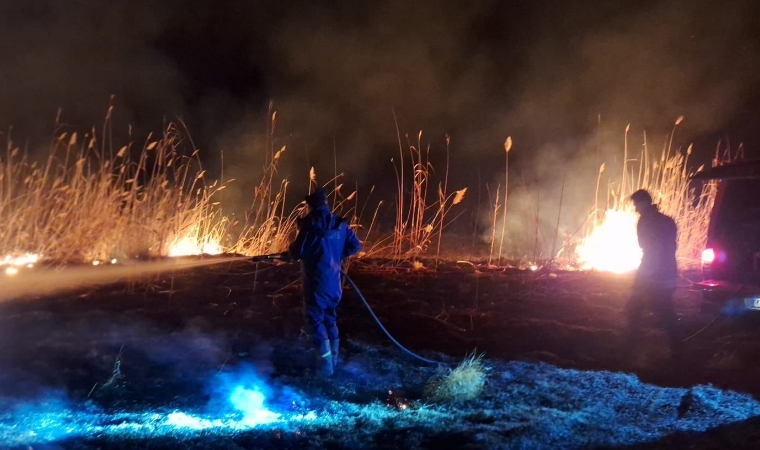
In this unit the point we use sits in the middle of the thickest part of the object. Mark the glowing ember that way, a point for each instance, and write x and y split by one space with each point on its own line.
18 260
98 262
612 246
11 271
192 246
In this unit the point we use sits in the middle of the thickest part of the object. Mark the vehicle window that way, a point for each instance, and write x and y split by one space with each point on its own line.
739 211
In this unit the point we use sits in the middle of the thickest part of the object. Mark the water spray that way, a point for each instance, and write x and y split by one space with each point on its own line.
41 281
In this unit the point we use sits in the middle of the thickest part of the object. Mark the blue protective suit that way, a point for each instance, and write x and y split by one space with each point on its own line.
323 241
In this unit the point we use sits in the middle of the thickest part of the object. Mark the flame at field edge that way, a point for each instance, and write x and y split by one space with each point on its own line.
188 246
612 245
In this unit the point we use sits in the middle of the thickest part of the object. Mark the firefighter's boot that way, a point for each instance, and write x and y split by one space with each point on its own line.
324 359
335 349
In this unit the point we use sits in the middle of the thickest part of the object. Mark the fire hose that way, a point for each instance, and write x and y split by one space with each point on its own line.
285 257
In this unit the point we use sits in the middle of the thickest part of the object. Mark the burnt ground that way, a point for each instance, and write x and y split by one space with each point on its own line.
555 343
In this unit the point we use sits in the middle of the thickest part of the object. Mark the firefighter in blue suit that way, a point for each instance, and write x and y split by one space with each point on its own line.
324 240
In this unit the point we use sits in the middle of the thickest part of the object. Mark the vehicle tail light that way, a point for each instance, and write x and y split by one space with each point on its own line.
708 256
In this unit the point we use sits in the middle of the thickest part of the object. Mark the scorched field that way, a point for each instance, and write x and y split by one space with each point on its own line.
214 357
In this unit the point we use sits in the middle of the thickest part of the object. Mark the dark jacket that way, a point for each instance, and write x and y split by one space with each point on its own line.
658 236
323 241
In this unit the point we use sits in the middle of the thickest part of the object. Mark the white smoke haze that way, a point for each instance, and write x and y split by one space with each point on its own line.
552 197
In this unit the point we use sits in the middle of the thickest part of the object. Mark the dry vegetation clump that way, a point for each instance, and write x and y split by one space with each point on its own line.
464 382
88 201
418 220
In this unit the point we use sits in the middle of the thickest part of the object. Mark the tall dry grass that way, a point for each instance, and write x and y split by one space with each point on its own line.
419 220
87 201
270 223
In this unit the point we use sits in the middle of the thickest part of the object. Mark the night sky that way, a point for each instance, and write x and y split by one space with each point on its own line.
543 72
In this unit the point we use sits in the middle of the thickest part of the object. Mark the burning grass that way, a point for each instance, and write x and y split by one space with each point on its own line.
90 202
87 202
610 243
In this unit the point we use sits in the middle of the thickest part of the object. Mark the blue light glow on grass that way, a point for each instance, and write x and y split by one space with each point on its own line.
245 392
251 403
554 408
183 420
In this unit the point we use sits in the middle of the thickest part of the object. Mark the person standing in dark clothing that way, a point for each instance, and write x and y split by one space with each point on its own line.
656 278
324 240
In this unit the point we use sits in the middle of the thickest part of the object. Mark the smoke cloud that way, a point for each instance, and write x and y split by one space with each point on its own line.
74 56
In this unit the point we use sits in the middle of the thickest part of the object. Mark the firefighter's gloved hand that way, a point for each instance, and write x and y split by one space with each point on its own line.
346 285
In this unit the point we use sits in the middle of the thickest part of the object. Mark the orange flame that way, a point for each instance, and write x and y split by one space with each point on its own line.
193 243
612 245
18 260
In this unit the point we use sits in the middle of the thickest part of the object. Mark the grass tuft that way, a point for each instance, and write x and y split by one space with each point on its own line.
464 382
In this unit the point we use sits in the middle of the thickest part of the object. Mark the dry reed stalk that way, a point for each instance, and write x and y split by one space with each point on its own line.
269 227
400 178
537 230
477 216
416 220
493 223
442 201
559 215
507 148
625 157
